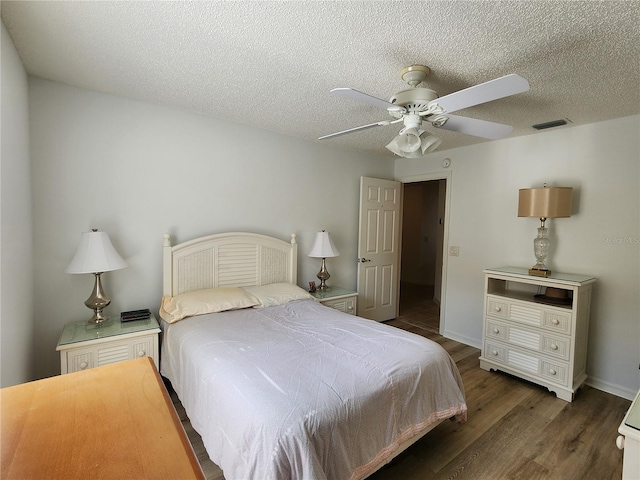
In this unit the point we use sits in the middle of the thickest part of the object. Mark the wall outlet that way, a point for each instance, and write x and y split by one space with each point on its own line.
454 251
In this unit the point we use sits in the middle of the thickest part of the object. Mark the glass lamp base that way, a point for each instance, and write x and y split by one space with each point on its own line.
540 250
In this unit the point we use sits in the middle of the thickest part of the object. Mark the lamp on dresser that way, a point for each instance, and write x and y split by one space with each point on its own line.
96 255
323 247
544 203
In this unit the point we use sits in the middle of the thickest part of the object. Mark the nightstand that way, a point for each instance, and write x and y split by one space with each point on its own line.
83 345
629 440
339 298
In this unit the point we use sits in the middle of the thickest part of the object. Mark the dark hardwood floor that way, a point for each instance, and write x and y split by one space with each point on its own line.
515 429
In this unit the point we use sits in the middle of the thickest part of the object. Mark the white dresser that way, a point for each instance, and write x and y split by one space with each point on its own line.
540 339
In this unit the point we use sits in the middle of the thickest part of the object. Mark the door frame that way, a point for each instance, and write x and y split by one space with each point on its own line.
425 177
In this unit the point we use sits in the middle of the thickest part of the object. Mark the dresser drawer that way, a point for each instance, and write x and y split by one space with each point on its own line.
527 362
532 339
497 307
529 313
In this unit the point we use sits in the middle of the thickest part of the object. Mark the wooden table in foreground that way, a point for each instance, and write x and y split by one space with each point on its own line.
110 422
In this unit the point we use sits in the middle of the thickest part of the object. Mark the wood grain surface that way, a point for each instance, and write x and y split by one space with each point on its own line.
110 422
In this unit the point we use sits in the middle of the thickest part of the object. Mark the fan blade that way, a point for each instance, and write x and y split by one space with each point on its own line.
478 128
357 129
483 93
363 97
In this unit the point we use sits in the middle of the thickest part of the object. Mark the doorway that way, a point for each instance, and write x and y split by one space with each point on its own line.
423 239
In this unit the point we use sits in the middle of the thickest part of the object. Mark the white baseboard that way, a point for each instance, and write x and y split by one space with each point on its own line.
462 339
611 388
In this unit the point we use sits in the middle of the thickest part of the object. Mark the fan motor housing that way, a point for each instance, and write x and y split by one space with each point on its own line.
414 99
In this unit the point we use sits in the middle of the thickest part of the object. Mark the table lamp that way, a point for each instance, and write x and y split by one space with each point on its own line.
323 248
543 203
96 255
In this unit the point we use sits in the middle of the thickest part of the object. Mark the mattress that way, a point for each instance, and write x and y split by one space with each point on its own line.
302 391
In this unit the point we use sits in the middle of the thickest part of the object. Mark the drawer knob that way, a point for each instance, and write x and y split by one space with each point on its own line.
349 307
620 442
141 353
554 346
83 365
497 308
552 371
495 353
555 321
496 330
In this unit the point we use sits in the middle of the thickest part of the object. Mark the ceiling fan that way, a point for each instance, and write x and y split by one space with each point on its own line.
416 105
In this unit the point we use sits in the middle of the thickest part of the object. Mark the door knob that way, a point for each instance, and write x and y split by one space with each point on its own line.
364 260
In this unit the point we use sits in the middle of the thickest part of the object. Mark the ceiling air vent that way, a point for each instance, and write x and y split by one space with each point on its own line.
551 124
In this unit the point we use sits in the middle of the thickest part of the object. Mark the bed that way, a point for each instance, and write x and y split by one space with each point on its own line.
282 387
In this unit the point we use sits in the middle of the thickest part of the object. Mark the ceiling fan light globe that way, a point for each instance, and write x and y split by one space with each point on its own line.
392 146
409 143
417 154
409 139
429 143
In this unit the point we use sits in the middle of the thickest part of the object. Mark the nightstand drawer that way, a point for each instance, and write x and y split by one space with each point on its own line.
338 298
110 352
346 305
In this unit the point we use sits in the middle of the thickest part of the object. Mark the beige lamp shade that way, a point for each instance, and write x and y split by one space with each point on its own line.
323 246
546 202
95 254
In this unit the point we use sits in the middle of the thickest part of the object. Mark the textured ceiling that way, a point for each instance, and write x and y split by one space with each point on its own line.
271 64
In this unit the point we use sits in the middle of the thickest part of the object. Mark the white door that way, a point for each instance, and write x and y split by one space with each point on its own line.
379 248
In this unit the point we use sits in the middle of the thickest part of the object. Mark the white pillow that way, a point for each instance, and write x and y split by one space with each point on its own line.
277 294
205 301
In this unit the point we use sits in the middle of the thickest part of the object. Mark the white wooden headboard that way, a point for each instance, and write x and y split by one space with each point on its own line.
227 260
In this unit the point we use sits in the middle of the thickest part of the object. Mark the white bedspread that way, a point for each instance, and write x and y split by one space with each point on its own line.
302 391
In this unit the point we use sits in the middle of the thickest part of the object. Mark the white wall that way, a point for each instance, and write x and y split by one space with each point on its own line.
136 171
602 162
16 280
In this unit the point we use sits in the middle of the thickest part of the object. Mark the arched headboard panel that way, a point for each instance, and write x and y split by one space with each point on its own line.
227 260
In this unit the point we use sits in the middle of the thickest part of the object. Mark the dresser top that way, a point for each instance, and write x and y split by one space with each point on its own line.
520 272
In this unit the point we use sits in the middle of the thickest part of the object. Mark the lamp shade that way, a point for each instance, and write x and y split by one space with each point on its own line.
546 202
95 254
323 246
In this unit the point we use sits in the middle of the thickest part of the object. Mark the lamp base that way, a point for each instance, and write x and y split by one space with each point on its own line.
538 272
98 318
323 276
97 302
